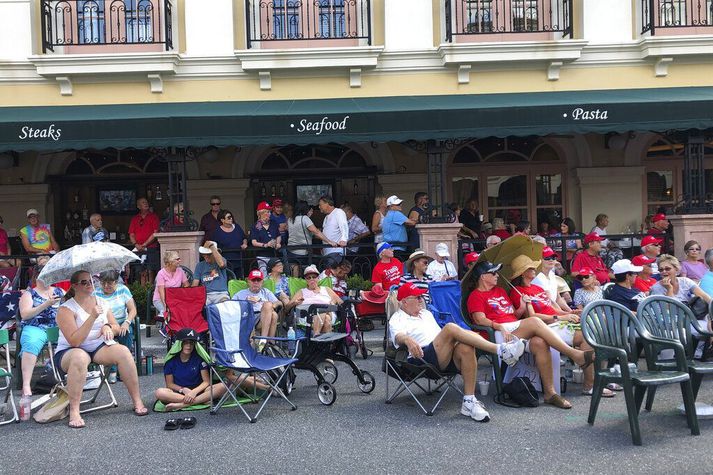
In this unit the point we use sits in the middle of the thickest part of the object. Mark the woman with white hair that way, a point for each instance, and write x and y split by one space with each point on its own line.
671 285
171 275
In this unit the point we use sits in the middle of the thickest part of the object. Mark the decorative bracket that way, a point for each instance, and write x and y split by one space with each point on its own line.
65 85
265 80
156 83
464 74
355 77
661 67
553 70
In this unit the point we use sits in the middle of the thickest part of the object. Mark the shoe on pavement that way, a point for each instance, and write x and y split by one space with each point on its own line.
511 351
476 410
615 387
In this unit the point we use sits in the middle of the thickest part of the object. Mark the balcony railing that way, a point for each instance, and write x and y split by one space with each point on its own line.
307 20
675 14
493 17
81 24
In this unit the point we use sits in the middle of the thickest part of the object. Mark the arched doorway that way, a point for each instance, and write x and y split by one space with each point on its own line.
108 182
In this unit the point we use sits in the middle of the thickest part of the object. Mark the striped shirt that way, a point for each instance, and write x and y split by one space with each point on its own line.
421 283
116 301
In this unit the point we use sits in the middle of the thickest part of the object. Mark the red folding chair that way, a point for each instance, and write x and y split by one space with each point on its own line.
184 309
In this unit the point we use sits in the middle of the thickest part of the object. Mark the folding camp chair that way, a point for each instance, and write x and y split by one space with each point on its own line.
231 324
184 309
6 375
410 375
52 338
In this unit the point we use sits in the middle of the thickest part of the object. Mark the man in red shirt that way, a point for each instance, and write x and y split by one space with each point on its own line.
489 306
388 270
659 229
142 233
651 248
644 281
590 258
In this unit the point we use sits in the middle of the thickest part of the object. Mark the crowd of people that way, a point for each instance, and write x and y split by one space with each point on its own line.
539 310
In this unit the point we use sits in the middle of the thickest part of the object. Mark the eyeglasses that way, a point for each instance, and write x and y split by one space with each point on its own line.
666 269
551 258
414 297
84 282
178 259
108 282
215 204
228 217
690 248
655 245
310 276
632 273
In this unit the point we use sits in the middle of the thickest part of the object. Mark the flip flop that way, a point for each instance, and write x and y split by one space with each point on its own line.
605 392
141 412
588 359
172 424
82 426
188 422
558 401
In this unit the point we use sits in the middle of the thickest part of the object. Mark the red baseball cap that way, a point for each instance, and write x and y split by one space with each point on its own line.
471 257
276 202
642 260
585 271
658 217
591 237
547 251
409 290
263 205
648 240
255 274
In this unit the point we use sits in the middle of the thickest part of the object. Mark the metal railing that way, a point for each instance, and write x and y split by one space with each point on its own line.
488 17
289 20
105 22
656 14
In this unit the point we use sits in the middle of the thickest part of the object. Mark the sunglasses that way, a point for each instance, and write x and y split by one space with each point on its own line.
228 217
582 277
632 273
551 258
311 276
215 204
666 269
84 282
492 272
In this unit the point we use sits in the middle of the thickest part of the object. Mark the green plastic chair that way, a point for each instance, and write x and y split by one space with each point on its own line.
235 286
669 319
613 331
6 375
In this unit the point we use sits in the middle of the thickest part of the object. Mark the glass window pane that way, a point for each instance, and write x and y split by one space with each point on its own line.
548 189
659 186
510 215
464 189
548 220
507 191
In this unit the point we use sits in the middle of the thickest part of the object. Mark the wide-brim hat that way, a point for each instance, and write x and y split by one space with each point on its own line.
417 254
377 294
312 269
520 264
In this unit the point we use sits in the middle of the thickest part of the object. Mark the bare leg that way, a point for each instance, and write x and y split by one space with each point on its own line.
75 363
121 356
464 358
168 396
531 327
451 334
266 319
28 365
273 323
326 323
588 377
541 351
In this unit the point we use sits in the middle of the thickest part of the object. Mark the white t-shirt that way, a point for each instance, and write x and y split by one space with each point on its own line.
95 338
601 232
438 270
685 289
549 283
298 234
422 328
336 228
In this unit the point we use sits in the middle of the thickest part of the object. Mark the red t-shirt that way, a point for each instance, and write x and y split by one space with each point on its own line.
502 234
494 304
540 299
4 247
644 285
143 227
584 259
387 273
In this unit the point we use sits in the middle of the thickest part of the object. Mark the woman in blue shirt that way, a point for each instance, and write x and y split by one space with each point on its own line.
229 235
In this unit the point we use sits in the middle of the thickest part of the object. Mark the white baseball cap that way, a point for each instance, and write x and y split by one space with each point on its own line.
204 250
623 266
393 200
32 211
442 249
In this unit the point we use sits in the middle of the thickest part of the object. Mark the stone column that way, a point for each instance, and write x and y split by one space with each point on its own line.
688 227
185 243
432 234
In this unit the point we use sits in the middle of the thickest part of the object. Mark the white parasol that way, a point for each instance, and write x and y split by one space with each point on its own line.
94 258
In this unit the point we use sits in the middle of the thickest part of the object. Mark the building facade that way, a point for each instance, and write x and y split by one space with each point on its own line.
539 109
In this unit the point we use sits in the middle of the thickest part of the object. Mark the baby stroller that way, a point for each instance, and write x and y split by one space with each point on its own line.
372 306
317 354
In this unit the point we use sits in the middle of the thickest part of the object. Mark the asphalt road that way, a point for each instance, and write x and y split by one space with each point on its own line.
360 433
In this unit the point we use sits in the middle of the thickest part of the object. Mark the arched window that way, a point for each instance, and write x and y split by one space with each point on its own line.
309 158
116 162
515 178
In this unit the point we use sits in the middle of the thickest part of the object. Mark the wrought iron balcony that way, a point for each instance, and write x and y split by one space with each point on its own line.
487 18
84 23
275 21
676 16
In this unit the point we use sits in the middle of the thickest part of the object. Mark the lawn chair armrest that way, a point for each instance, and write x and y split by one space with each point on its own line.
221 350
661 343
480 328
696 324
277 338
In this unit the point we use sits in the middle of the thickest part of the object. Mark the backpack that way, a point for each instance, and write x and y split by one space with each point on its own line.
521 391
699 308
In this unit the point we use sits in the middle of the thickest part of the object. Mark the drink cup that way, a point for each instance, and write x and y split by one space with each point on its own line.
483 387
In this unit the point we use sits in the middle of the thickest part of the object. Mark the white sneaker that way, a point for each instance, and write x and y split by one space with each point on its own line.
476 410
511 352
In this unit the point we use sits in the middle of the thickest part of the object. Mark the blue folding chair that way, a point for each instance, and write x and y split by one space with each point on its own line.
445 303
231 324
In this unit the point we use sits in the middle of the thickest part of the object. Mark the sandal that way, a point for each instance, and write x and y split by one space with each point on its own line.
605 392
558 401
141 412
188 422
615 387
588 359
172 424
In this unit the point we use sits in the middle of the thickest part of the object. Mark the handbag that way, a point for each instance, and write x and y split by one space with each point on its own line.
57 408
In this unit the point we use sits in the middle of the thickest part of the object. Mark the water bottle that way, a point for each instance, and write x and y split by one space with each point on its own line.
25 408
291 344
149 365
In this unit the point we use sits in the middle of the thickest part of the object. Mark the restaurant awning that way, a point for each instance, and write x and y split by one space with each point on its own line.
377 119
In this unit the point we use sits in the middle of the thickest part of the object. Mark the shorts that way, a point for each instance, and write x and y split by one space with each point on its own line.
33 339
509 326
564 331
430 356
60 354
216 297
